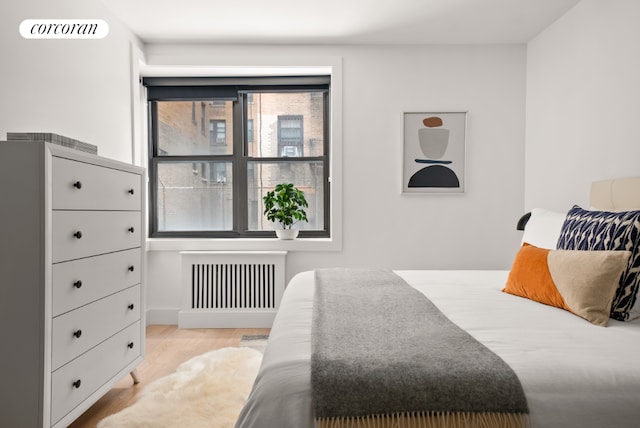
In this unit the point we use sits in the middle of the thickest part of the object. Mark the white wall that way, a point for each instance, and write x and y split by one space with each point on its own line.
381 227
77 88
582 91
583 108
83 89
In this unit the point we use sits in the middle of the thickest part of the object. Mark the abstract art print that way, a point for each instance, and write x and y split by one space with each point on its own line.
433 152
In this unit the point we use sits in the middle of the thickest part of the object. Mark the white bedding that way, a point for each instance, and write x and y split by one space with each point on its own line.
574 374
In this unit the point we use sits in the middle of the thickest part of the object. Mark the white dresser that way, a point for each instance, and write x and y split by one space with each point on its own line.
71 280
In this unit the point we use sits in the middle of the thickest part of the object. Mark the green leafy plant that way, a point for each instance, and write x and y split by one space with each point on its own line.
285 205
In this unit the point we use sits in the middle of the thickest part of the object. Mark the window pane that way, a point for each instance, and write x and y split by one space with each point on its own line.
194 196
286 124
264 176
195 127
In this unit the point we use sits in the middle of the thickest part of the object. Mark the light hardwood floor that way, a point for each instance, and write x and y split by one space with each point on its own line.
166 347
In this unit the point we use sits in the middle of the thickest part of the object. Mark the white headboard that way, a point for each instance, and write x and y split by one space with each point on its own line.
618 194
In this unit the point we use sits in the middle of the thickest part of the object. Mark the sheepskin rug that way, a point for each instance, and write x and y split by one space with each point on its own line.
206 391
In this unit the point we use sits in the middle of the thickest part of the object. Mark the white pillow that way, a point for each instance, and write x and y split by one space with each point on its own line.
543 228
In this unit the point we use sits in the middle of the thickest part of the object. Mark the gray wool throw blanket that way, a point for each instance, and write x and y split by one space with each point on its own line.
383 352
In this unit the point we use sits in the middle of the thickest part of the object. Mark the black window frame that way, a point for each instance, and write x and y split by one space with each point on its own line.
239 91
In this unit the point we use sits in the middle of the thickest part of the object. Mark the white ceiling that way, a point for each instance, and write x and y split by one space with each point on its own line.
338 21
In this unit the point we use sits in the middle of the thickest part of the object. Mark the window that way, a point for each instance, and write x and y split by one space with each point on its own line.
290 136
218 131
250 131
260 132
202 117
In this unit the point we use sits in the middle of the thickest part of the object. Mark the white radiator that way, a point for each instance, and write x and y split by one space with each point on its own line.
231 289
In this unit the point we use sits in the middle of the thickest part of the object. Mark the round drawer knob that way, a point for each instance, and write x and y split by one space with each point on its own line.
78 185
77 384
130 345
130 191
77 334
131 306
78 234
131 229
77 284
131 268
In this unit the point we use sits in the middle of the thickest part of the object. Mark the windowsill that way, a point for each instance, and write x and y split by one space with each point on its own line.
239 244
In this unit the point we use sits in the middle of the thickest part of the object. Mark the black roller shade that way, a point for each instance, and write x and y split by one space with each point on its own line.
221 88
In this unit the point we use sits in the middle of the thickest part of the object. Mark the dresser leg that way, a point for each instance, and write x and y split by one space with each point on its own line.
134 376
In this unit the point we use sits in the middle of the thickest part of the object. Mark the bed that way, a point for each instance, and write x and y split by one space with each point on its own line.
575 369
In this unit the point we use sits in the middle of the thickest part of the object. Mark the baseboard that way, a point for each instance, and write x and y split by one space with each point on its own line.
209 319
225 319
164 316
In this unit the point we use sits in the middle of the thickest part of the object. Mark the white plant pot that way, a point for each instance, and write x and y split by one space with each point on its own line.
287 233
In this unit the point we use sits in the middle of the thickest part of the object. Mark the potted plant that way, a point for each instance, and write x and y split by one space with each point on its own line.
285 205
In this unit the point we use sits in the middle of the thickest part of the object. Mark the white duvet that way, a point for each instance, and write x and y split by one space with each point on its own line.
574 374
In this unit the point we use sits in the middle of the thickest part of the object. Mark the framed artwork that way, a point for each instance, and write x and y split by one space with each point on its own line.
433 157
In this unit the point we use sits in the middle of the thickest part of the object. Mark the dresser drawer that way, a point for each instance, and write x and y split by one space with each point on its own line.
84 186
93 370
82 281
78 234
77 331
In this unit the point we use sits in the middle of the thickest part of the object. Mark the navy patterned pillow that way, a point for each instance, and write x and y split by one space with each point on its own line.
604 230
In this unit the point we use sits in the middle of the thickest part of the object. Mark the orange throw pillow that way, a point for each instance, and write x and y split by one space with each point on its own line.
581 282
